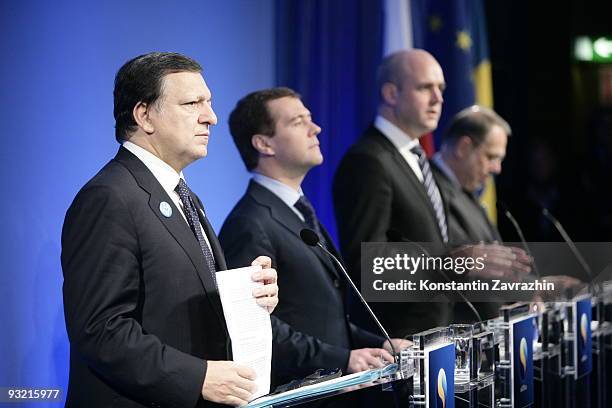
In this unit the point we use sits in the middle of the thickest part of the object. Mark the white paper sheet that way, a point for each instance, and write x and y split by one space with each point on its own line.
248 324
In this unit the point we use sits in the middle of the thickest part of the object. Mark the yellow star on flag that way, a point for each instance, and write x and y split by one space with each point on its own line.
435 23
464 41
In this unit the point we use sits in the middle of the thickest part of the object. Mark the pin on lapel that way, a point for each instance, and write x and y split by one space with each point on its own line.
165 209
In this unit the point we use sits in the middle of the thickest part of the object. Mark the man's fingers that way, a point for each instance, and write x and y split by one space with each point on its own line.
266 276
228 383
267 301
242 393
264 261
373 358
246 372
235 401
521 267
243 389
387 356
489 272
266 290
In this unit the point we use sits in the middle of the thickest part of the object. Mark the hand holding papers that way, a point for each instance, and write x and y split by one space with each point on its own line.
267 296
248 323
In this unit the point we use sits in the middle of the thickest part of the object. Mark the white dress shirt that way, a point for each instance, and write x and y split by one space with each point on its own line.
165 175
402 142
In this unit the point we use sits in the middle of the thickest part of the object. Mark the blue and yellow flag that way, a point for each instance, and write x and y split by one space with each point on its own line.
454 31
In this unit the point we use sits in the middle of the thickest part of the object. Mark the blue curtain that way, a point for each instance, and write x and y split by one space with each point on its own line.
57 124
328 51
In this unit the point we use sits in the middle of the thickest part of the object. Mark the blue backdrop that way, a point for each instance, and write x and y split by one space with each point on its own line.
328 51
59 59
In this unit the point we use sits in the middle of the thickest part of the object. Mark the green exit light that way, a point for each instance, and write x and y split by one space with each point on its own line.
593 49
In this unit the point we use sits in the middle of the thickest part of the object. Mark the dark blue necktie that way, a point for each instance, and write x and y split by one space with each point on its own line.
432 191
307 210
191 214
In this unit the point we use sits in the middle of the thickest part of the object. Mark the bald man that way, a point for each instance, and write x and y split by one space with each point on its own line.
381 186
386 190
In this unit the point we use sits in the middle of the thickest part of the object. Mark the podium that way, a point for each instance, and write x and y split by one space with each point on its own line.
576 352
474 365
547 356
433 353
514 333
558 357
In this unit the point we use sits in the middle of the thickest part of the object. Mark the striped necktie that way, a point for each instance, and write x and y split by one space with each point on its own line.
432 191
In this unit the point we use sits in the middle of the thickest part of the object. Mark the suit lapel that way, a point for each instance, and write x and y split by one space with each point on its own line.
406 170
331 248
289 220
454 198
175 224
492 230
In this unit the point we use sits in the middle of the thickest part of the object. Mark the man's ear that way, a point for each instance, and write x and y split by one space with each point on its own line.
141 116
464 147
262 144
389 93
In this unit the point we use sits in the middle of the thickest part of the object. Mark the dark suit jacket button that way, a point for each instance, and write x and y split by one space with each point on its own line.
336 283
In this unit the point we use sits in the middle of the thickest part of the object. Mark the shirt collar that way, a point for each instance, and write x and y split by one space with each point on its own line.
163 173
287 194
401 140
439 161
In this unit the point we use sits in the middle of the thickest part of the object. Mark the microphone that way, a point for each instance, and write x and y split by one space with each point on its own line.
311 238
568 241
396 236
519 232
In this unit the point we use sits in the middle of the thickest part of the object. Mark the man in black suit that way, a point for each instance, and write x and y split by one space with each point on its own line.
142 309
472 149
277 140
384 188
379 185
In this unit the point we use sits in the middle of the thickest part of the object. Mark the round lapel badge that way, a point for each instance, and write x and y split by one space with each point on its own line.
165 209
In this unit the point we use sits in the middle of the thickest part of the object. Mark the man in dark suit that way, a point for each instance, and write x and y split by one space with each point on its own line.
472 149
384 188
142 309
277 140
379 185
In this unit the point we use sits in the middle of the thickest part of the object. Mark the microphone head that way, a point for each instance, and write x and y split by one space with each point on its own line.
309 237
502 205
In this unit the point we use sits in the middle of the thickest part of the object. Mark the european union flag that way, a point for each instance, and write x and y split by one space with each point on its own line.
454 32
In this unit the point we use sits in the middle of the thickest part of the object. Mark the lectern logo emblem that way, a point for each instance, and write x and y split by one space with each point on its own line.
583 328
523 356
442 389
